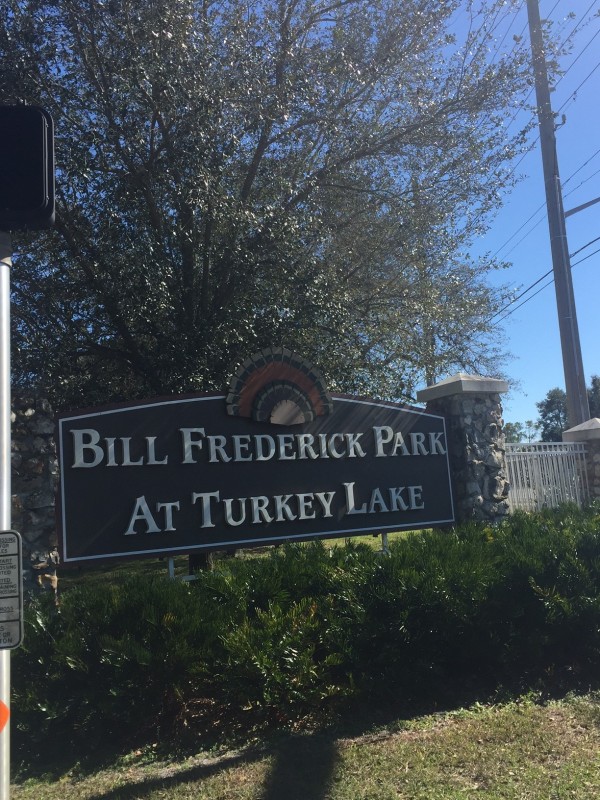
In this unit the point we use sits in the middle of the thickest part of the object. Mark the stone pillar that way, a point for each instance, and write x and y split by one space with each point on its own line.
34 483
473 412
588 433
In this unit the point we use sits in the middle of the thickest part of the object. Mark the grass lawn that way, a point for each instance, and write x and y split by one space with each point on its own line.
518 751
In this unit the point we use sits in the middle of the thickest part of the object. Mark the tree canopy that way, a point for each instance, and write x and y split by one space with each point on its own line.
235 175
553 419
516 432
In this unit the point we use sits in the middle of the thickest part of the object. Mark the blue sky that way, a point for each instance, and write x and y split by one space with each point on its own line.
519 233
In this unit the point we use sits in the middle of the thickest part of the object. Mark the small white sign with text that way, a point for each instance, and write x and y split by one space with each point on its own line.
11 590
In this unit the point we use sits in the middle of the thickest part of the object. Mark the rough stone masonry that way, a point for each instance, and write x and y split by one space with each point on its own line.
34 485
472 408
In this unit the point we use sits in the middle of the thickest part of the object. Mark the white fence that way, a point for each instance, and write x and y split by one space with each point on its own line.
543 475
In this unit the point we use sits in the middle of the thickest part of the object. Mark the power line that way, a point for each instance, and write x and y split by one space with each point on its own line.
532 116
597 239
575 60
577 401
545 286
585 258
574 93
519 296
517 37
585 163
541 278
534 143
540 207
573 31
519 229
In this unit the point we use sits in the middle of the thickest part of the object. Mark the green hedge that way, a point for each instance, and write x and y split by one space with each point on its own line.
305 628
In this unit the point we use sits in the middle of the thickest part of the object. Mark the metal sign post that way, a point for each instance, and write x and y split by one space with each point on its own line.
5 493
26 202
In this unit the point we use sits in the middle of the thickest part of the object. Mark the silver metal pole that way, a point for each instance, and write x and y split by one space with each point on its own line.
5 492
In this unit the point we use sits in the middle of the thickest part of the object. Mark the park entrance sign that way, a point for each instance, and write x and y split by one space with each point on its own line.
191 473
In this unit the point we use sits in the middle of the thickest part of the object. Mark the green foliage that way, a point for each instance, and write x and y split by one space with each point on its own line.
127 652
519 432
514 431
295 633
593 393
232 177
553 419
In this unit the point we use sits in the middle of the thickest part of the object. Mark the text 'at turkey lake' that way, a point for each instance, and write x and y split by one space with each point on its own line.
180 474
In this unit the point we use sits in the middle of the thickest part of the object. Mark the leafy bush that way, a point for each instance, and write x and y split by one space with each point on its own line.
117 658
293 633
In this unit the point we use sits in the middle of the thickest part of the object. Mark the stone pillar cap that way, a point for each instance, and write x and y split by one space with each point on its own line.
584 432
461 383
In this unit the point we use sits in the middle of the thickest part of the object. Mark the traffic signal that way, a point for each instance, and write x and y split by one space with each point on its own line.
26 168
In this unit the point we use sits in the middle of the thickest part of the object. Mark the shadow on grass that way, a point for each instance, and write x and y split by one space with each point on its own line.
136 790
296 757
302 769
301 766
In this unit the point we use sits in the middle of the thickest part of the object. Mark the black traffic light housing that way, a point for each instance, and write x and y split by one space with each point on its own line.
26 168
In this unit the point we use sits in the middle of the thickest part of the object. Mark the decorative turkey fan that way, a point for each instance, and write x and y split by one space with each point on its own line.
278 386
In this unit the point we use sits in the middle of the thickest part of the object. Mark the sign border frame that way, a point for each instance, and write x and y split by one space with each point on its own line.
254 542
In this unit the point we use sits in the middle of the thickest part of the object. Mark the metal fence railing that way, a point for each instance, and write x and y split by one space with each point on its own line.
545 474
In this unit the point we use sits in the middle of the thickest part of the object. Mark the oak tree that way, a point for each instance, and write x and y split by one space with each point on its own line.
233 175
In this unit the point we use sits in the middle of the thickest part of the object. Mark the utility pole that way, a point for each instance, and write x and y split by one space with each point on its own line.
577 400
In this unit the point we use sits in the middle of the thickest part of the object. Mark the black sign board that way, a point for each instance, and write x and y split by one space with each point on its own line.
180 475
